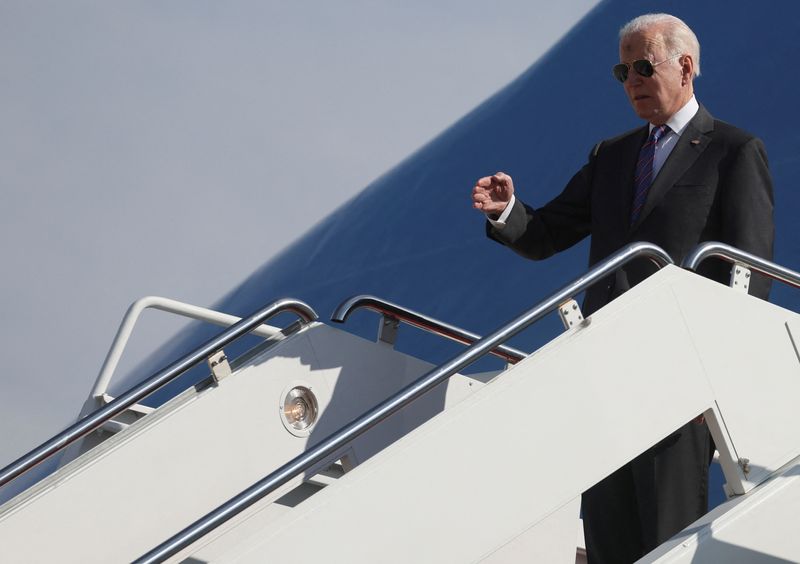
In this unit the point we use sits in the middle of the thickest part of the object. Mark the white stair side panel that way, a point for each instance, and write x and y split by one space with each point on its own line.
551 541
172 467
748 355
758 528
357 379
500 462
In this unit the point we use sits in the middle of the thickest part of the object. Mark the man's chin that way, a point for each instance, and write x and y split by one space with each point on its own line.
645 112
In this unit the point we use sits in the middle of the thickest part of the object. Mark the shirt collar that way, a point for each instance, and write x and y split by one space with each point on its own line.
680 119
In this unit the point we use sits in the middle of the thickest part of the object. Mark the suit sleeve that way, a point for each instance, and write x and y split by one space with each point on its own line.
747 208
539 233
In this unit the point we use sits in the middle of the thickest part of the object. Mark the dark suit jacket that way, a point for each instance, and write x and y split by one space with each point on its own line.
715 185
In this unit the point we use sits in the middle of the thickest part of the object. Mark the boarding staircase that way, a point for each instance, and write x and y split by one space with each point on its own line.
392 459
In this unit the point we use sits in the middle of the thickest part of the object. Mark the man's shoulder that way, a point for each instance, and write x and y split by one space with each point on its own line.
720 130
731 133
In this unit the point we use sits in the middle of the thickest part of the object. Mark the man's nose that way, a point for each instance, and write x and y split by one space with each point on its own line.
634 78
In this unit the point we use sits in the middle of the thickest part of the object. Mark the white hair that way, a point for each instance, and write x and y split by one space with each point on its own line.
678 37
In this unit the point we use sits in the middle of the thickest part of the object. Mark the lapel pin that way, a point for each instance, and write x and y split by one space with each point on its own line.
695 141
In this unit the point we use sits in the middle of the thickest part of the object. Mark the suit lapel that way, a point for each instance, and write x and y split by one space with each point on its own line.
690 145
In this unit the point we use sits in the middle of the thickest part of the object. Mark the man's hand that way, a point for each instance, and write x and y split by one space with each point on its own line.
491 194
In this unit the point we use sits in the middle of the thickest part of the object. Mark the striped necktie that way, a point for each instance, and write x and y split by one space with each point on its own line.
644 171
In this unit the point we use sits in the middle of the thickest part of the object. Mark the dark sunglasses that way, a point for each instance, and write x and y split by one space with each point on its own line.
643 67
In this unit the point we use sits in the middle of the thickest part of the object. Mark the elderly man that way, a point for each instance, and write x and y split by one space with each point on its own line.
682 179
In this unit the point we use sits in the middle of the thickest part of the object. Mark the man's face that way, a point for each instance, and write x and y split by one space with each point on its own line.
658 97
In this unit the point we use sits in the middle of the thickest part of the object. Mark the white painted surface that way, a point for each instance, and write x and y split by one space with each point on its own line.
552 540
760 528
494 475
500 464
150 481
753 368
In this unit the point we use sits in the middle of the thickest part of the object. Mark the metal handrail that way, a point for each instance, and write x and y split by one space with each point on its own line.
170 306
733 255
420 321
121 403
334 442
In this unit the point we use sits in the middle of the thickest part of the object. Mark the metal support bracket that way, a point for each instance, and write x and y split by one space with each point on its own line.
387 329
570 314
740 278
744 464
124 419
218 363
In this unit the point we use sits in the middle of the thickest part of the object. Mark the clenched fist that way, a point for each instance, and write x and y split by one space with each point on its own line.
491 194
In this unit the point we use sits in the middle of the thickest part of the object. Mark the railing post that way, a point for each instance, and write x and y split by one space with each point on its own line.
392 315
733 255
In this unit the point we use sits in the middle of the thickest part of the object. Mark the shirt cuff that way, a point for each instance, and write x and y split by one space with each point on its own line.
500 222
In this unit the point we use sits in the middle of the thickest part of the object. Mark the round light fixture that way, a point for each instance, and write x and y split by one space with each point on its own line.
300 409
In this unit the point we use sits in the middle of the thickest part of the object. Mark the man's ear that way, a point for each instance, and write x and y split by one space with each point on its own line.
687 69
